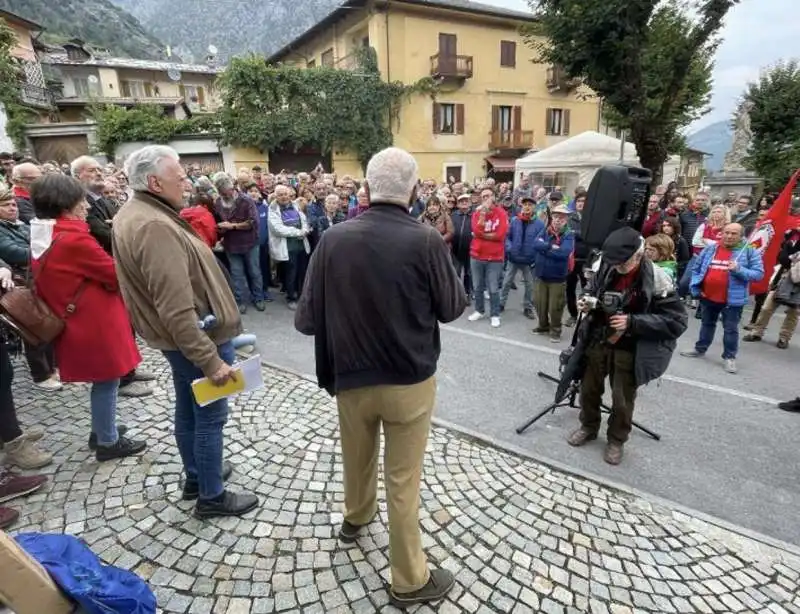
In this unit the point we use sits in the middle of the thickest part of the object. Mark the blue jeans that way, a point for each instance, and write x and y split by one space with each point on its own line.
487 276
103 401
527 278
198 430
238 264
730 327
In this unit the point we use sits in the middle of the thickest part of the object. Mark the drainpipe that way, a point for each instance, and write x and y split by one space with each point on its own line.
388 59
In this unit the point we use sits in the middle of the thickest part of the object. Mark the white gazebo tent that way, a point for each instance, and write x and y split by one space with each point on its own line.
574 161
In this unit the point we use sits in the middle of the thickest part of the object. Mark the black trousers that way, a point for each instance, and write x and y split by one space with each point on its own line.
9 426
759 303
265 262
41 362
292 274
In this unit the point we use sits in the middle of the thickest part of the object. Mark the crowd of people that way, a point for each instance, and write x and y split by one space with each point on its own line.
158 248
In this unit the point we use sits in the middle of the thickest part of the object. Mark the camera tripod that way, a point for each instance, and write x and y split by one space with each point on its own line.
570 400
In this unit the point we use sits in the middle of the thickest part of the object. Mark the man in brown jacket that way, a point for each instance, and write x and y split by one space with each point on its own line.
375 324
171 282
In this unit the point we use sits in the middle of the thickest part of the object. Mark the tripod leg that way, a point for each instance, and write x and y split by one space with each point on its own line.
550 408
548 377
607 410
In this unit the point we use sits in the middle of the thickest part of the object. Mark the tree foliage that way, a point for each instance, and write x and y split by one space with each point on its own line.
10 78
272 106
774 152
117 125
649 60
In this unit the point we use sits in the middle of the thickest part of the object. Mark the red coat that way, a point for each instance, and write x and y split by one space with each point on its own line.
97 343
495 223
203 223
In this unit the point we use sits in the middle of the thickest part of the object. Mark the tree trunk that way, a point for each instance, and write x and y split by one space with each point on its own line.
652 153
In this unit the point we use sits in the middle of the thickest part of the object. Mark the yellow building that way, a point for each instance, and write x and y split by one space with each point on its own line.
495 101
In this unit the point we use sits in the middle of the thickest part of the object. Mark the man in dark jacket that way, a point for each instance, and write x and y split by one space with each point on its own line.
375 324
462 238
631 342
745 213
22 176
521 254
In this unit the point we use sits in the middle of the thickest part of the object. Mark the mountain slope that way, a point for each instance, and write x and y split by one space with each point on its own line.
715 139
98 22
233 26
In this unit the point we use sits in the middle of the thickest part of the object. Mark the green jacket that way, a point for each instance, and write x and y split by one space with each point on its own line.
15 244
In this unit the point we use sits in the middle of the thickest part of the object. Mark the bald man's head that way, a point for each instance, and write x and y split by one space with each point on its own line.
732 235
23 175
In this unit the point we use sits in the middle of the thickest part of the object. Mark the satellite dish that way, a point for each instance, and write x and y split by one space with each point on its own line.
212 49
93 80
174 74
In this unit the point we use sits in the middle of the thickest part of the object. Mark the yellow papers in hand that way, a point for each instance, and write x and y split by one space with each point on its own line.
248 378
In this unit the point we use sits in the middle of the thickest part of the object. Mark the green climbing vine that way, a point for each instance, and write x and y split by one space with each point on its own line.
10 78
268 106
117 125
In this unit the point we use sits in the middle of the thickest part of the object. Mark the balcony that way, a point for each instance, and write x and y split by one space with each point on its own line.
557 80
35 96
451 66
511 139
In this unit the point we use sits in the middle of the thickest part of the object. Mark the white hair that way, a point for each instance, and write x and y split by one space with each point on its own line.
146 162
332 198
79 163
391 176
222 181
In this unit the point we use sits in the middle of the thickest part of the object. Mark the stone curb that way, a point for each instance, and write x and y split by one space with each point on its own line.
782 547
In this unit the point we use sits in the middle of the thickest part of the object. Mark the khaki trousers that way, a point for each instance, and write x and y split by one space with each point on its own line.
789 321
405 413
550 298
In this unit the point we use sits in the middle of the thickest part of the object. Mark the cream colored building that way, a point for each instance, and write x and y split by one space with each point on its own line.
495 104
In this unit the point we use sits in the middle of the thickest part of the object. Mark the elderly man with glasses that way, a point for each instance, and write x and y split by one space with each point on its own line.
22 176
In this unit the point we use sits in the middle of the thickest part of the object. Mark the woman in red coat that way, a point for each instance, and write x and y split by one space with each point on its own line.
76 278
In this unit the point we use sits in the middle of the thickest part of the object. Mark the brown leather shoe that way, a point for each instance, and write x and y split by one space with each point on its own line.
7 517
580 436
613 453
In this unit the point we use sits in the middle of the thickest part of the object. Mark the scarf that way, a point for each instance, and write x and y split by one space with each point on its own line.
525 218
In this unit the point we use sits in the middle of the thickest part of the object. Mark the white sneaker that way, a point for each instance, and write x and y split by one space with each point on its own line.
476 316
49 385
495 322
730 365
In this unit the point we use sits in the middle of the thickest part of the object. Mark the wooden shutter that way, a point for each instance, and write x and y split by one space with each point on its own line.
565 122
459 119
548 122
201 96
516 119
125 88
508 54
436 114
495 118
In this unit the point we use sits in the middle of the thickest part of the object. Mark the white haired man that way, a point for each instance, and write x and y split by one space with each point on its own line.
22 176
377 344
100 218
170 279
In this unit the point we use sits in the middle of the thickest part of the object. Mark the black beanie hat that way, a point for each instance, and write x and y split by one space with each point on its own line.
621 245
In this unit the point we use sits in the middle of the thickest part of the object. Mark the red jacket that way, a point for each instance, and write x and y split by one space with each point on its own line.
203 223
97 343
495 223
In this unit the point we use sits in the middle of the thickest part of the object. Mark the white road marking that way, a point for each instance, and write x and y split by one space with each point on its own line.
555 352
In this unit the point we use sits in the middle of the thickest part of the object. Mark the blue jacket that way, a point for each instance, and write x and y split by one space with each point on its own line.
520 240
263 214
552 258
751 268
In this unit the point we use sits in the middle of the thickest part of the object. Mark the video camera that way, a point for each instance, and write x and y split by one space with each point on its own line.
609 301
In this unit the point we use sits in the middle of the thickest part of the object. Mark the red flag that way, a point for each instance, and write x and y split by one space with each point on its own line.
767 236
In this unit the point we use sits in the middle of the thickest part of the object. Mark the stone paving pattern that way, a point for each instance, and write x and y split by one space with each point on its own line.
519 536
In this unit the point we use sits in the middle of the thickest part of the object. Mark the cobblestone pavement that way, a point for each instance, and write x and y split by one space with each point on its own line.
519 536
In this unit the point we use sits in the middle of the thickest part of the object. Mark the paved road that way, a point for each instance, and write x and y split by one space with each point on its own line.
726 449
519 536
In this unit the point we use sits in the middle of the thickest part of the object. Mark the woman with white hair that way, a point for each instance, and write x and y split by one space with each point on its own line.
288 243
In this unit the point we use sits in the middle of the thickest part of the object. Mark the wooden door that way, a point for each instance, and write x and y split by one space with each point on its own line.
448 50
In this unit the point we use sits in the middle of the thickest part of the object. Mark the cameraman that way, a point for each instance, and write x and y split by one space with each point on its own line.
635 319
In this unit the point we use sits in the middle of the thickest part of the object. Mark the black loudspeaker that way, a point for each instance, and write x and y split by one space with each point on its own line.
617 197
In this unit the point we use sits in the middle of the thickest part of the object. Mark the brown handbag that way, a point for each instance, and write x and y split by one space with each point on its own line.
29 316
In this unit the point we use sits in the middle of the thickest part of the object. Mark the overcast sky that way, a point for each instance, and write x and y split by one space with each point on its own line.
757 33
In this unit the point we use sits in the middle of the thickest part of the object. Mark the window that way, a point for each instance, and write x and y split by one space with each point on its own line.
504 122
82 87
508 54
557 122
506 125
448 118
455 172
550 180
136 89
193 93
327 57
